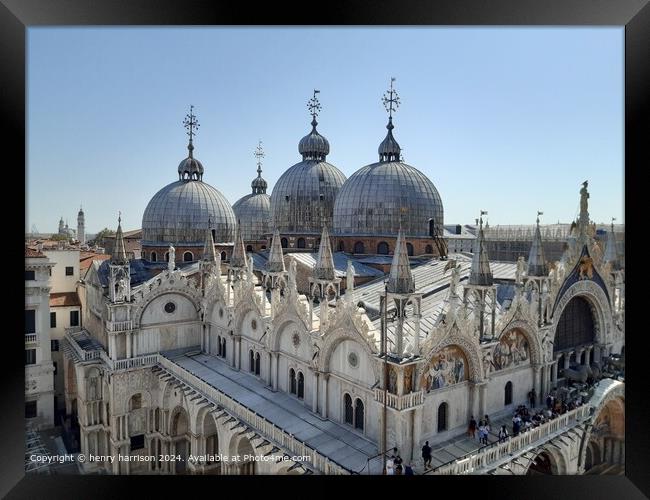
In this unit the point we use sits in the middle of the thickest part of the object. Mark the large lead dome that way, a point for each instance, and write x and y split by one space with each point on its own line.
380 198
302 200
179 213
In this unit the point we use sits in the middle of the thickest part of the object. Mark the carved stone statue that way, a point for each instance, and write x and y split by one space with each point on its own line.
172 258
455 279
521 270
584 196
120 293
487 363
292 275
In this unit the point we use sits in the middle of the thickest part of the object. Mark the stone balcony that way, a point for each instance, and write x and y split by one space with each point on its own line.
31 338
119 326
404 402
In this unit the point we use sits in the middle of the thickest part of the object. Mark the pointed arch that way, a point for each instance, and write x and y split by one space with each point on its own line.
469 349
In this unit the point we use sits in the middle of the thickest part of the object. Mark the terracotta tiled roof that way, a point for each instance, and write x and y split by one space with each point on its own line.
86 259
64 299
30 252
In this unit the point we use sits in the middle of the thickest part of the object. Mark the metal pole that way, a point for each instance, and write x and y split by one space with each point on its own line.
385 353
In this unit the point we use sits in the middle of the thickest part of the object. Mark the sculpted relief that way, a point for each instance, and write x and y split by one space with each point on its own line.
447 367
512 350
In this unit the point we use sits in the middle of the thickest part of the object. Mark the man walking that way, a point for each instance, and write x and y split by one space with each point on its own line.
471 431
426 455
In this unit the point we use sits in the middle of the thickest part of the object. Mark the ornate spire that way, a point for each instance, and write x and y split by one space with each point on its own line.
209 253
611 251
190 168
238 257
480 273
275 264
536 262
324 268
400 279
259 185
389 149
119 252
314 146
583 219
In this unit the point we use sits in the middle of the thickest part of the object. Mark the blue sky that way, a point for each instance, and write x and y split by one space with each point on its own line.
509 120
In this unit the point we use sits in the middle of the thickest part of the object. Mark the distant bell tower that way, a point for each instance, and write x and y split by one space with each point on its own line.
81 227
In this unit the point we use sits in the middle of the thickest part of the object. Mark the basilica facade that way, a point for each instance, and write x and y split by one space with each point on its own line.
208 360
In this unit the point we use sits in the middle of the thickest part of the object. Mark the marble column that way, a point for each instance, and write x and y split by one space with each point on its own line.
128 344
269 378
314 404
482 389
237 353
326 377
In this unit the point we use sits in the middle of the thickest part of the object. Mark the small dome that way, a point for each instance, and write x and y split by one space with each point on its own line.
314 146
190 167
259 186
389 149
253 212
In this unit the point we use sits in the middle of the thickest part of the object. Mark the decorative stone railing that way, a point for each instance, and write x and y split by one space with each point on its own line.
71 335
119 326
503 451
128 363
404 402
261 425
31 338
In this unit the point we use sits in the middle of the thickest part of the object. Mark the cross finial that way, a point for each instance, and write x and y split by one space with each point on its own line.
259 154
190 123
313 105
391 99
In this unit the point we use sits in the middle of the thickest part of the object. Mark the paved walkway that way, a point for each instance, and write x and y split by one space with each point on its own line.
333 440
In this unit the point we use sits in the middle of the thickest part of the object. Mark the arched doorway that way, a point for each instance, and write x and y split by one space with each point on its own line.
358 414
605 450
347 402
575 330
542 464
188 257
442 417
211 445
284 243
507 394
180 438
301 243
359 247
246 464
409 249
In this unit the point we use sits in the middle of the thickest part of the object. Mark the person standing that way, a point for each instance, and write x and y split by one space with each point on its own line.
549 401
471 431
426 455
488 427
408 470
532 396
503 434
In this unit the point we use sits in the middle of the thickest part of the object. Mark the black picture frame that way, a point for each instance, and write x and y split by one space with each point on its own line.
18 15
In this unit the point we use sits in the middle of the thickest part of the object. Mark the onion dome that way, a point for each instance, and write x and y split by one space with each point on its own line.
381 198
177 213
302 200
253 211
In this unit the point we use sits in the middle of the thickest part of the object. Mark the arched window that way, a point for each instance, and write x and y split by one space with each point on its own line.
508 394
382 248
341 246
219 345
301 385
257 363
249 248
223 256
224 348
263 247
251 361
292 381
188 257
284 243
359 247
154 257
347 401
409 249
166 256
575 326
136 402
358 414
428 249
214 235
442 417
301 242
432 227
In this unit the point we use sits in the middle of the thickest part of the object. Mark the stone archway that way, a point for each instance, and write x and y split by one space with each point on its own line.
605 449
547 462
179 432
246 465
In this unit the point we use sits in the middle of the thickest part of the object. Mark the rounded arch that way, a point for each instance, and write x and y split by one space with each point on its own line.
178 297
181 291
179 422
249 248
284 242
341 246
443 417
409 249
383 248
547 462
301 243
470 351
224 256
575 326
283 325
154 257
359 247
534 343
188 256
599 306
348 409
507 393
332 341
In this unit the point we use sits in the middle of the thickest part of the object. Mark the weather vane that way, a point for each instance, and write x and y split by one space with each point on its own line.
259 154
313 105
190 123
391 99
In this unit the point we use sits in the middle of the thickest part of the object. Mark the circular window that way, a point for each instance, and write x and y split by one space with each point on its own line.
254 325
353 359
295 339
221 313
170 307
